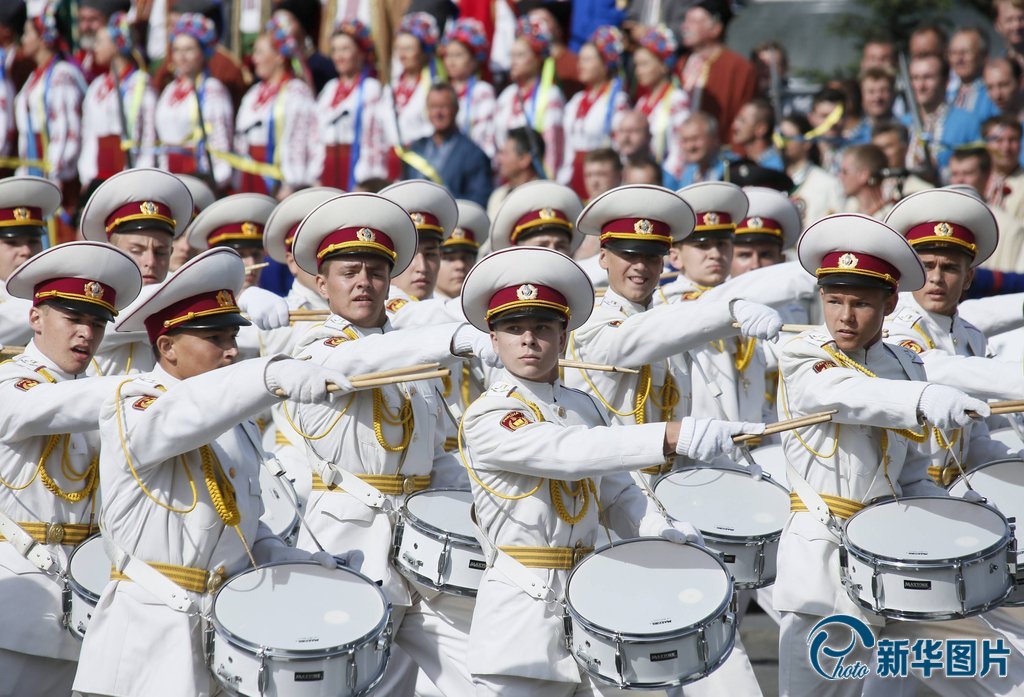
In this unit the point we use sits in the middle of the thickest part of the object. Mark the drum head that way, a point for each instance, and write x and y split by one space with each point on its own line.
772 459
1008 437
89 566
299 608
926 529
278 503
725 502
648 586
1001 482
447 510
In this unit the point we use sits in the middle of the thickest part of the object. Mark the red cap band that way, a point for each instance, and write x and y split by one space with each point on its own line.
758 225
81 290
356 239
709 221
527 295
21 215
636 229
860 264
461 236
289 236
543 216
426 222
942 233
139 210
236 232
213 303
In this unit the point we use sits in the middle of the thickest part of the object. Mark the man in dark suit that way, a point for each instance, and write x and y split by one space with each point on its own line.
448 157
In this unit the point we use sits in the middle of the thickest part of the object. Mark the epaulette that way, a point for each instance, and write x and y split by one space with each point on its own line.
28 362
818 338
908 315
337 323
502 388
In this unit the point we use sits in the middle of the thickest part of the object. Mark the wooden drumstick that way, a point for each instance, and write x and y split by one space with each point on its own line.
12 350
600 367
787 425
256 267
790 328
361 382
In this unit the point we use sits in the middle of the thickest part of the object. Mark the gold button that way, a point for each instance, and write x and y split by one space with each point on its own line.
54 534
561 412
231 472
214 579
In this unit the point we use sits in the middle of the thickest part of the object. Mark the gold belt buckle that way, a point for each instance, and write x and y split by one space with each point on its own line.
214 579
408 485
54 533
578 552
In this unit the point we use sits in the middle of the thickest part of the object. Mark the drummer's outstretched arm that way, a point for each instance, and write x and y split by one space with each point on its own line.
624 505
504 434
814 382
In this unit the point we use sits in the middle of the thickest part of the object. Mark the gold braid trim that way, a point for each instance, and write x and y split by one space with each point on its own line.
585 487
89 474
745 350
403 417
472 473
222 492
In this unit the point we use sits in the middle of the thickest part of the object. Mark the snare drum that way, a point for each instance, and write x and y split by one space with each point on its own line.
739 516
927 558
279 506
434 543
296 629
1002 483
772 459
647 613
88 573
1008 437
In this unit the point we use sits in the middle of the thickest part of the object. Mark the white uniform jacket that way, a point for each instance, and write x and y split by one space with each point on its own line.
43 408
511 452
342 435
842 458
154 442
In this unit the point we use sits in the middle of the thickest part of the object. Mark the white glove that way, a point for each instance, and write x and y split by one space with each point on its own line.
755 319
325 559
265 309
973 496
469 339
754 470
945 407
304 382
654 525
703 439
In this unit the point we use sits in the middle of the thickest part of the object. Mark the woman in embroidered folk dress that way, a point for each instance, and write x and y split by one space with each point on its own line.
465 50
415 44
276 121
533 100
48 112
664 103
118 109
591 114
353 147
185 139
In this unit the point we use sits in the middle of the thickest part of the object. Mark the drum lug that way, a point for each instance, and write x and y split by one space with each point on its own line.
759 562
262 675
65 599
702 644
620 661
209 634
877 589
396 544
567 628
961 587
1011 550
412 561
384 642
443 559
353 673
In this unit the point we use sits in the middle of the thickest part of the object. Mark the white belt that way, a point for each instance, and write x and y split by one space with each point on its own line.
814 503
520 576
25 545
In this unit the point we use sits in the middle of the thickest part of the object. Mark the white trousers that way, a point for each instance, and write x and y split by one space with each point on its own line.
22 675
797 678
511 686
734 677
435 635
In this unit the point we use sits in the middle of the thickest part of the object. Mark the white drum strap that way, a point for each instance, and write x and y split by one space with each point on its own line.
152 581
27 547
517 574
352 485
815 504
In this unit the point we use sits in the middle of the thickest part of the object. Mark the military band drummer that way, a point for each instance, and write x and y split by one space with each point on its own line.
48 468
543 464
882 402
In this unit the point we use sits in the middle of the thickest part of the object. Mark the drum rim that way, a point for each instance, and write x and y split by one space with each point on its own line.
326 652
724 537
684 680
969 473
80 590
928 616
418 522
923 564
720 611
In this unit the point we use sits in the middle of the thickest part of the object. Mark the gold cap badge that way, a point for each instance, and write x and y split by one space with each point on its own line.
93 290
526 292
643 227
711 218
755 222
848 261
225 299
148 208
21 213
365 234
943 229
250 229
